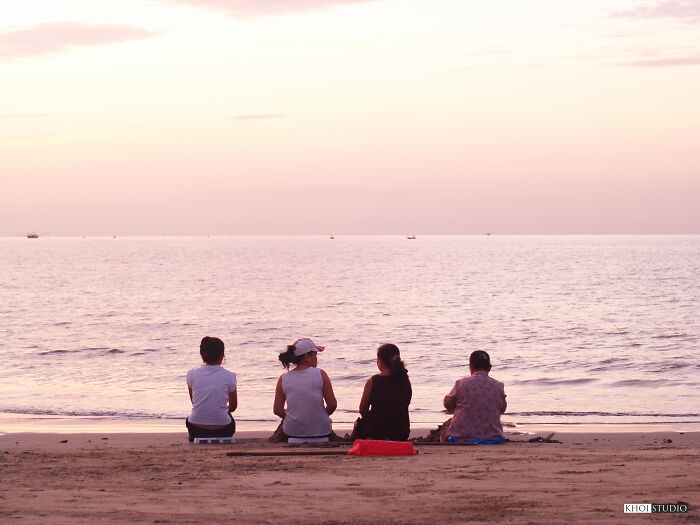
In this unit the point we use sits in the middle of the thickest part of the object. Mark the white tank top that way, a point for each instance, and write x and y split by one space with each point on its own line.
306 413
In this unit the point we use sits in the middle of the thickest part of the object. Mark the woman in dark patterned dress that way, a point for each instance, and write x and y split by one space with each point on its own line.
385 400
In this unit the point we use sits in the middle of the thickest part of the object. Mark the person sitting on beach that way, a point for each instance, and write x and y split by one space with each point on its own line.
213 394
385 399
477 402
304 390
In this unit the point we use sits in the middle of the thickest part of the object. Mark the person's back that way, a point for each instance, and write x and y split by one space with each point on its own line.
306 391
477 402
385 399
213 393
210 386
306 413
389 402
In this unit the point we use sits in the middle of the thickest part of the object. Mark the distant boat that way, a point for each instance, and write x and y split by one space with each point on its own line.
332 237
32 235
411 237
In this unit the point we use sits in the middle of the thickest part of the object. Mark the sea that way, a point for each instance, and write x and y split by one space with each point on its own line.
584 331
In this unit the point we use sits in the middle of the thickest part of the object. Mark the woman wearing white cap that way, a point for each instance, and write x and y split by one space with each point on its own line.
304 390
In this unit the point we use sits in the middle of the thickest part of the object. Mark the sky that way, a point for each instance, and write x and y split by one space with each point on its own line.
246 117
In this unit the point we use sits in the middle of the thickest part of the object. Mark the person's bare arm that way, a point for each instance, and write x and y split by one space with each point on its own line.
232 401
366 394
189 389
328 395
280 398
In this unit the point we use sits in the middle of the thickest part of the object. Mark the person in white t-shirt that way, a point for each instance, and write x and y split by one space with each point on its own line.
213 394
306 391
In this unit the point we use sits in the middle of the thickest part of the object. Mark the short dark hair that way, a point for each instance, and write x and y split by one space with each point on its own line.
211 349
480 360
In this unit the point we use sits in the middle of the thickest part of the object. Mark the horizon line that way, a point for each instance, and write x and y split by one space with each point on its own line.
327 235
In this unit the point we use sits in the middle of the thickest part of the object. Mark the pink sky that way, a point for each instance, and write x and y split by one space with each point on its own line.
376 116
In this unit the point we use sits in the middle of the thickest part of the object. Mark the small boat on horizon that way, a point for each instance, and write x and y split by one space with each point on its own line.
32 235
332 237
411 237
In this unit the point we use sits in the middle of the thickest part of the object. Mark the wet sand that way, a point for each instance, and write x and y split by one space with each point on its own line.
160 478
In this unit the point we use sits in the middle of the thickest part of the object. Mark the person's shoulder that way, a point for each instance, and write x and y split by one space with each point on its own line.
492 380
499 383
323 374
463 380
230 375
228 372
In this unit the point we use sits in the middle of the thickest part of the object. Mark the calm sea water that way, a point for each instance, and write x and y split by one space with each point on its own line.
581 329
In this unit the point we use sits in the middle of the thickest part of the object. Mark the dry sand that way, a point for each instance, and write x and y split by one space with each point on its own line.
160 478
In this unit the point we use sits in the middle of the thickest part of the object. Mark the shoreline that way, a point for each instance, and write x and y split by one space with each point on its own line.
11 423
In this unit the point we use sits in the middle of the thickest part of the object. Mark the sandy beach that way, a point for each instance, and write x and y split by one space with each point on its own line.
160 478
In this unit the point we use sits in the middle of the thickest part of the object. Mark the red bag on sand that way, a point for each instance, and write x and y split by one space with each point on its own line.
373 447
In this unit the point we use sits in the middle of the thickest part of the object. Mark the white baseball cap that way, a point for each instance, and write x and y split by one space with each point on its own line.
305 345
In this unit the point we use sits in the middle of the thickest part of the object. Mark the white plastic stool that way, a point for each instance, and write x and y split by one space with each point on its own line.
215 441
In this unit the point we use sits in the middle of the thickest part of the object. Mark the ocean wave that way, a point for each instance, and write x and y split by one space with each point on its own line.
591 423
59 413
613 360
671 336
76 350
351 377
123 414
644 382
84 413
659 367
570 413
549 382
60 351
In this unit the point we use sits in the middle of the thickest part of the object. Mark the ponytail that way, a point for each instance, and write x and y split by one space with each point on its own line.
398 369
288 358
390 356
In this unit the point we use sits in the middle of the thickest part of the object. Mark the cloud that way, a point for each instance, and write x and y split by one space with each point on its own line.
664 62
259 116
688 10
61 36
253 8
